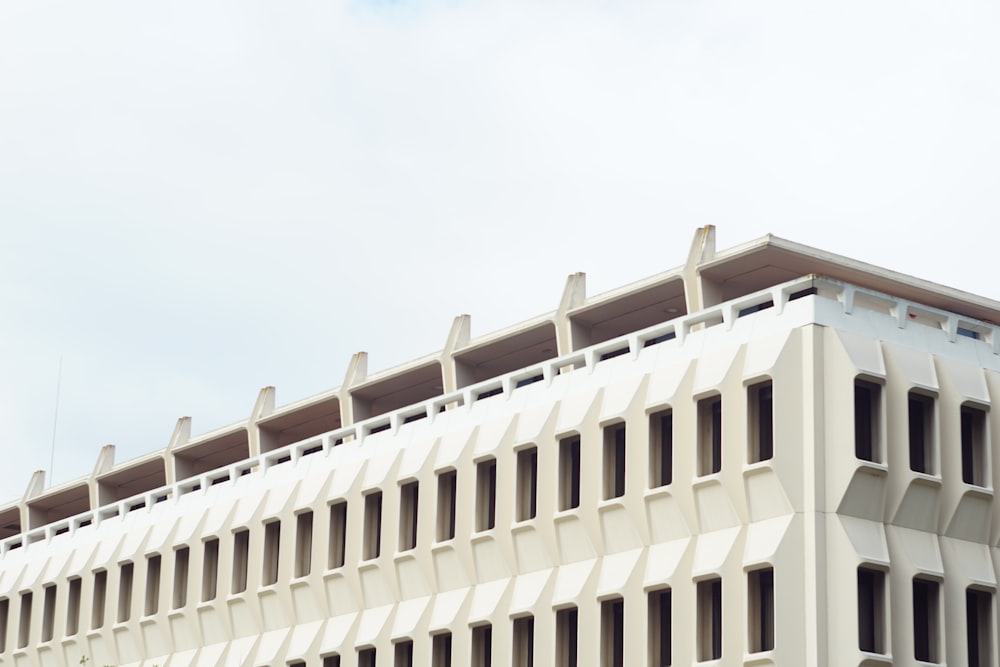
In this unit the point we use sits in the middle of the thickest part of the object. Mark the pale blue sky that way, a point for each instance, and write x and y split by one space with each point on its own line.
198 199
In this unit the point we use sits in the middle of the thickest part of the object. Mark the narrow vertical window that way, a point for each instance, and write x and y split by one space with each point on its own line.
272 550
331 661
524 642
614 461
710 435
48 613
871 610
303 544
978 626
73 607
241 560
403 654
446 505
408 495
569 473
925 620
867 409
373 526
659 628
973 446
4 622
366 657
709 619
482 646
567 624
152 604
486 494
181 558
125 577
661 448
441 650
920 412
760 415
760 614
97 601
210 570
338 535
527 481
24 623
613 633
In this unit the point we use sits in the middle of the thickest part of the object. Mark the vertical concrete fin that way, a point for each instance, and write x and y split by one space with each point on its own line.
105 462
356 373
699 293
453 375
574 295
262 408
180 436
36 486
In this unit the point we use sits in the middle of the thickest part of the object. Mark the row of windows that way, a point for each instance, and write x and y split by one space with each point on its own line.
872 636
921 432
708 613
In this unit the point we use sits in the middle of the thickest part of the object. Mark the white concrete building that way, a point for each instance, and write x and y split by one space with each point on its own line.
769 456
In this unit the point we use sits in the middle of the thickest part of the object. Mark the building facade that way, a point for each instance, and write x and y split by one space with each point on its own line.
771 455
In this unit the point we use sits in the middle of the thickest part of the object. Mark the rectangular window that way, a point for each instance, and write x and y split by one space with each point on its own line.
921 432
403 654
4 622
73 607
567 624
241 560
210 570
48 613
482 646
125 577
181 558
441 650
925 620
871 610
569 473
659 628
710 619
527 481
486 494
408 495
303 544
661 448
373 526
710 435
613 633
614 461
338 535
446 505
24 624
760 418
152 604
366 657
973 446
272 550
867 410
978 626
760 589
97 601
524 642
331 661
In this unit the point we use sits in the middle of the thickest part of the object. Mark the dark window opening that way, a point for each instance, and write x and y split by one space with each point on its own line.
920 413
973 446
486 494
760 585
567 639
408 498
871 610
338 535
925 620
373 526
527 483
569 473
978 626
760 414
710 435
613 633
661 448
524 642
241 560
447 505
614 461
482 646
709 619
272 552
867 410
659 628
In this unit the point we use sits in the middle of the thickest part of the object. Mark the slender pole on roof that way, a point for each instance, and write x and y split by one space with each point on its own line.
55 421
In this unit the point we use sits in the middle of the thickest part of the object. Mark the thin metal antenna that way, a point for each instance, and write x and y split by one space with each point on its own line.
55 421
